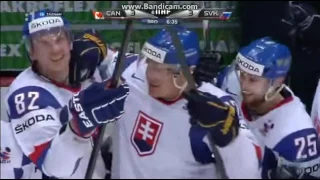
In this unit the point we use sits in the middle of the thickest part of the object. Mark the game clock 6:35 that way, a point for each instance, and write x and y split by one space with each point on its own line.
172 21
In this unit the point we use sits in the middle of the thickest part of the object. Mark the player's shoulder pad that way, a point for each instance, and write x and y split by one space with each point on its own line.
285 123
302 145
29 98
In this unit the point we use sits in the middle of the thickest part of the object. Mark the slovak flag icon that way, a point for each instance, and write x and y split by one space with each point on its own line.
98 15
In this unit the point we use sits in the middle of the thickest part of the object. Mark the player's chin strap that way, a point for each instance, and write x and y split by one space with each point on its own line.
182 87
272 91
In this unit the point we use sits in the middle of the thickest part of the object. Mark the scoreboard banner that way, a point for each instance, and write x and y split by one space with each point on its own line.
224 35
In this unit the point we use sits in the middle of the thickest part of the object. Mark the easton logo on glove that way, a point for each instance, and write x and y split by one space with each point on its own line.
97 105
78 108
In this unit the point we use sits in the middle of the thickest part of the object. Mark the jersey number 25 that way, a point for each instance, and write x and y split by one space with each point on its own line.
307 146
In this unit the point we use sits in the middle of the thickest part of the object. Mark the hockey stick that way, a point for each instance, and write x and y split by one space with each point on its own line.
205 25
119 67
192 86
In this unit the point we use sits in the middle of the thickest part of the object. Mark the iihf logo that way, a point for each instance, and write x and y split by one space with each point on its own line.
160 12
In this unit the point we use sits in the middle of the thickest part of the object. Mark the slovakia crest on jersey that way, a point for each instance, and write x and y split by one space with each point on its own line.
145 134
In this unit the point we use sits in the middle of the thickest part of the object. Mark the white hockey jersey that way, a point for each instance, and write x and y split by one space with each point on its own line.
315 111
14 165
228 81
38 118
154 139
287 132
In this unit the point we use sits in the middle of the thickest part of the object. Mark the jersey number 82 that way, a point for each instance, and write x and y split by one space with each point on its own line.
21 101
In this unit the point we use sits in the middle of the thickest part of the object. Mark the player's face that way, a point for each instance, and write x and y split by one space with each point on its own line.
160 80
253 89
52 53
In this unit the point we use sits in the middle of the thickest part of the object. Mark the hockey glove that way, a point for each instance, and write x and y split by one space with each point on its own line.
286 172
87 53
96 106
210 112
208 67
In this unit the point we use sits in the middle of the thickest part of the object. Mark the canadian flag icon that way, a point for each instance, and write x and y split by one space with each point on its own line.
98 15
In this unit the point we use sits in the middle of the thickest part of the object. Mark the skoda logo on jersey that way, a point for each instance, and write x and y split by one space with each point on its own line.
145 134
249 66
45 23
32 121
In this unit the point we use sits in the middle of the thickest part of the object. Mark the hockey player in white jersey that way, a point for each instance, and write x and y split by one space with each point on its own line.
228 79
51 122
315 111
277 117
156 137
